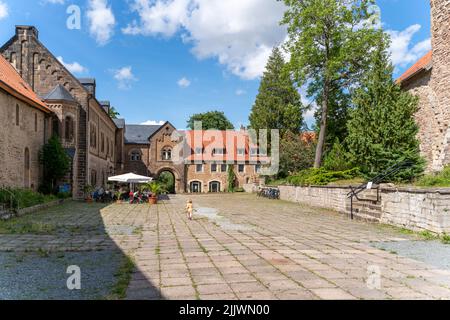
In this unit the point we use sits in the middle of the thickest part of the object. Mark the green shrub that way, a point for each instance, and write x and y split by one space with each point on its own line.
320 177
440 179
239 190
336 159
24 198
64 195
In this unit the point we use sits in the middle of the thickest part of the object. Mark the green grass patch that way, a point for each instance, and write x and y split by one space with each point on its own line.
24 198
445 238
123 275
439 179
16 227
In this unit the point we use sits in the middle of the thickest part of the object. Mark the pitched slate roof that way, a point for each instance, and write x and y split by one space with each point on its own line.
59 93
422 64
139 134
12 82
120 123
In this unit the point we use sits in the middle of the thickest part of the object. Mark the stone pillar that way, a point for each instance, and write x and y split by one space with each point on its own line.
440 81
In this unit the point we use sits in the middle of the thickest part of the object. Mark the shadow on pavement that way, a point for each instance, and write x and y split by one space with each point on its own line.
40 254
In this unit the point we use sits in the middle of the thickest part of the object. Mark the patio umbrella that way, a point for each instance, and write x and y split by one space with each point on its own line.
130 178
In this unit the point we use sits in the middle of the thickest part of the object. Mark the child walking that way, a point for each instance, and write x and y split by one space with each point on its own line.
189 209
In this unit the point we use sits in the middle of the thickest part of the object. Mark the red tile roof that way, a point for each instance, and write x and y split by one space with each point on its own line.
231 141
420 65
12 82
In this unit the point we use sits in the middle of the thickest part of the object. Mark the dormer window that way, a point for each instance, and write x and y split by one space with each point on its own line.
241 152
198 150
254 151
166 154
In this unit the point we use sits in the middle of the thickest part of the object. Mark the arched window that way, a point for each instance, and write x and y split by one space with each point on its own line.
135 155
55 127
166 154
26 171
69 128
17 115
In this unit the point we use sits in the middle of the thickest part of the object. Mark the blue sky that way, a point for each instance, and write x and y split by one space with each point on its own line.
167 59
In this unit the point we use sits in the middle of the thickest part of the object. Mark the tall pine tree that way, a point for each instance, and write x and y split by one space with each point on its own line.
382 130
278 104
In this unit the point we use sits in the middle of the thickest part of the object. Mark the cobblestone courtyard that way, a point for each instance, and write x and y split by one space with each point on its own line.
237 247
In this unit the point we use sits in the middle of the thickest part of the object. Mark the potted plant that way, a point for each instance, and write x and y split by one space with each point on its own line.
88 189
118 195
156 189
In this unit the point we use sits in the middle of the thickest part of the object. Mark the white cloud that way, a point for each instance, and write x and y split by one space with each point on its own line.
124 77
101 21
153 123
4 11
240 92
54 1
74 67
402 51
184 82
240 34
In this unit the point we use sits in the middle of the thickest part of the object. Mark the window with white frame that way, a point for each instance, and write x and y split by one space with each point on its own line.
241 168
258 168
213 167
254 151
199 168
218 151
166 154
241 151
223 168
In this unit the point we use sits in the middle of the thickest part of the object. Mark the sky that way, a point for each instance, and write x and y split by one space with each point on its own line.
159 60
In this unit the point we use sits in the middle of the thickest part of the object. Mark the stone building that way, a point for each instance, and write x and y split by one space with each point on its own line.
80 120
24 123
197 160
429 78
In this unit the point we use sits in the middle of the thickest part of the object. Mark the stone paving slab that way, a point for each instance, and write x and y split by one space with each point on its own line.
265 250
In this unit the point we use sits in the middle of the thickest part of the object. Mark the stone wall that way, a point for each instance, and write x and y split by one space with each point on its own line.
15 139
411 208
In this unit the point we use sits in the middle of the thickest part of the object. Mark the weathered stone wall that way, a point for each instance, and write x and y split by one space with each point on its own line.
415 209
40 68
440 79
139 167
15 139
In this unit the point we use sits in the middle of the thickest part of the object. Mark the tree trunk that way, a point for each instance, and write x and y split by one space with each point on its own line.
323 128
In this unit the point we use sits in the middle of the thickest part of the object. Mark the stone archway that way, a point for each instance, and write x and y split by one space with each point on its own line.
170 174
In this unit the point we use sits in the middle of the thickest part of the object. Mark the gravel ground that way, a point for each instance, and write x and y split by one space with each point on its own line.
33 276
431 252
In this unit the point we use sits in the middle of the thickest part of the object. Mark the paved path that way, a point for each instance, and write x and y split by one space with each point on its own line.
238 247
261 249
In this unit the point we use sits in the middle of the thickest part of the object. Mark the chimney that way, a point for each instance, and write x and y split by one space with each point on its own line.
89 84
27 31
106 105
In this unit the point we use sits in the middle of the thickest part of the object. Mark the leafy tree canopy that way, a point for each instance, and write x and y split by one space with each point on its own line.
212 120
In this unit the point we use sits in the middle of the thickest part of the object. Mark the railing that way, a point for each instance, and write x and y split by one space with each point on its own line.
391 171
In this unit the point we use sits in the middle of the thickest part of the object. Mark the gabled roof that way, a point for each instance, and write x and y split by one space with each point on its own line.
12 82
139 134
59 93
422 64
